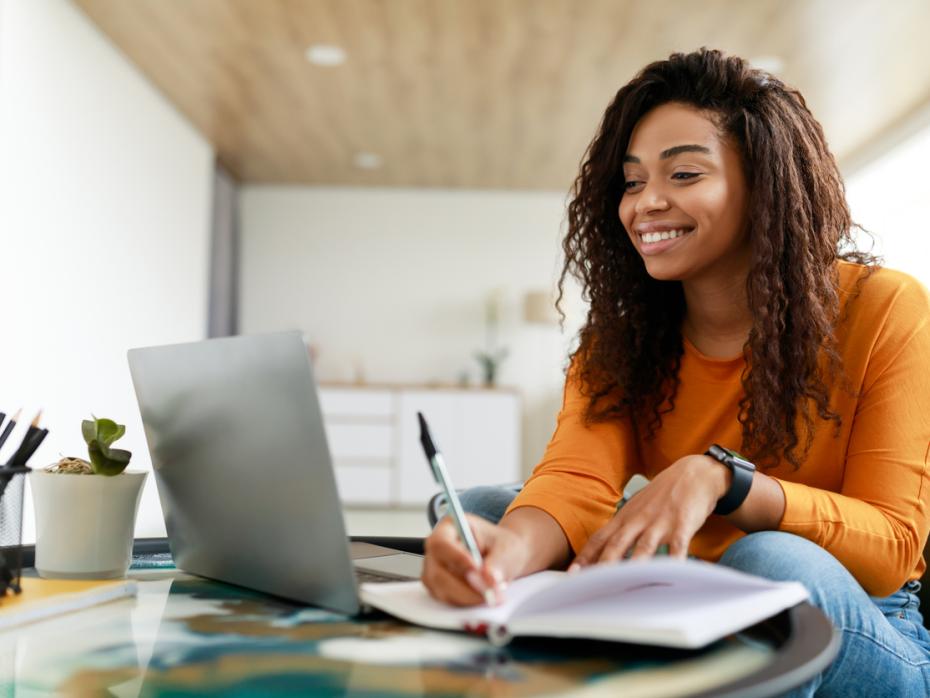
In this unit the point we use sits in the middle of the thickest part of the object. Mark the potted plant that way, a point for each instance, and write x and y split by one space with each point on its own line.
491 358
86 510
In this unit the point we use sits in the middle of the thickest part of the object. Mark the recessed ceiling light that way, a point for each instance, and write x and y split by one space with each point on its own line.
326 54
770 64
368 161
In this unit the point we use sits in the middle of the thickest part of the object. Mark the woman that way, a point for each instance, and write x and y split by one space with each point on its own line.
728 308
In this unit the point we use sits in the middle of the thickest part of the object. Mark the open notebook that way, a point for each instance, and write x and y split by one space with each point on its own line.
661 601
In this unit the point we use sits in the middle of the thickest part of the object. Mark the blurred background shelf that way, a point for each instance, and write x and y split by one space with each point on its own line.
375 443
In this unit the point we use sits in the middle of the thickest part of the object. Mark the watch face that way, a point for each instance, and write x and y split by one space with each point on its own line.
740 460
729 457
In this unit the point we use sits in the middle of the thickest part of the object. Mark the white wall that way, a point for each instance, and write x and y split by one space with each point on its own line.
390 285
891 198
105 197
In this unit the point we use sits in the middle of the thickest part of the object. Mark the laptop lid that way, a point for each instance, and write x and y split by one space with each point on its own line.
242 466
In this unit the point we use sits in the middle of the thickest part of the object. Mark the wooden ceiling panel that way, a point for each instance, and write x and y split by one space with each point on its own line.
500 94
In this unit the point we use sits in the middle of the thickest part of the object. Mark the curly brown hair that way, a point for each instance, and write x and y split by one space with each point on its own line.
631 344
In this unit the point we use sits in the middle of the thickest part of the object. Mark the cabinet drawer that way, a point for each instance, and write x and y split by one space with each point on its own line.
350 403
360 441
364 484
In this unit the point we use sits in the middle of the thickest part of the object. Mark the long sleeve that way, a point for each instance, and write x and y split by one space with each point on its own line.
877 523
582 473
862 493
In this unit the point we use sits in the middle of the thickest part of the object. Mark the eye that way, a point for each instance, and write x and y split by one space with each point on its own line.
685 176
631 184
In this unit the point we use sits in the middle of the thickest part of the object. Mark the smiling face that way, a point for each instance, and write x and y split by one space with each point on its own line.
685 197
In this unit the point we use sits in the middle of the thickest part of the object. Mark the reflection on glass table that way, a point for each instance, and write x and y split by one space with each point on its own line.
187 636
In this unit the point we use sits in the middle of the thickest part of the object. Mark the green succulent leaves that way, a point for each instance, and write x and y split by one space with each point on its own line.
99 435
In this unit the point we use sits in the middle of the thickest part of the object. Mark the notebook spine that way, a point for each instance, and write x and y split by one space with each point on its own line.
498 635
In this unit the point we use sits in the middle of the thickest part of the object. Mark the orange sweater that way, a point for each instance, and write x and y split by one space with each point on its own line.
863 495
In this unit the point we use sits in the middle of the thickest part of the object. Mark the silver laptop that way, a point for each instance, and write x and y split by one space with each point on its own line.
244 473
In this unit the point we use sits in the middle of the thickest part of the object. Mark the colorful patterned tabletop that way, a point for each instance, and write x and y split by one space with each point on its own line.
184 636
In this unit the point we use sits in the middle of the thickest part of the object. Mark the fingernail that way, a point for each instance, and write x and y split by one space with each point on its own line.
475 581
497 574
574 567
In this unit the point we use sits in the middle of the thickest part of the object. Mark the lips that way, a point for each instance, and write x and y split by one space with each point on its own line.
657 238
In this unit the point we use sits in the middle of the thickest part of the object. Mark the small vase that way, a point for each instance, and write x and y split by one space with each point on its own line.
85 523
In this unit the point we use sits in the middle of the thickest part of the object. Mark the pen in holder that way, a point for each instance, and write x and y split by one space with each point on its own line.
12 484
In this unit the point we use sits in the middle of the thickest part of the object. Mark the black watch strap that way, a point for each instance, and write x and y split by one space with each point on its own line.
742 471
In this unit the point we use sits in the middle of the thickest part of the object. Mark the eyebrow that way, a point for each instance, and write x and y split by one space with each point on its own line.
672 152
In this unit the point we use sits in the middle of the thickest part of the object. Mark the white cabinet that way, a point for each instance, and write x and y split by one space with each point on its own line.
374 439
357 403
477 433
359 442
361 433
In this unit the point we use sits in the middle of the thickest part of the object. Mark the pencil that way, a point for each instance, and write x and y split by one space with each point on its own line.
24 453
9 428
26 447
31 432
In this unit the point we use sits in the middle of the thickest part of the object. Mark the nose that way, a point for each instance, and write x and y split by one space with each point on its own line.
651 198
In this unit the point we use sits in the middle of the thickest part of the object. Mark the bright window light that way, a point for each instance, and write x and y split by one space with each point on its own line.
891 199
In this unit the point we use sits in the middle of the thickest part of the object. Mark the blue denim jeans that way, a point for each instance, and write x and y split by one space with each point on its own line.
885 649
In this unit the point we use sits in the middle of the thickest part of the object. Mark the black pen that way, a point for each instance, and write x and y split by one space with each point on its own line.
455 506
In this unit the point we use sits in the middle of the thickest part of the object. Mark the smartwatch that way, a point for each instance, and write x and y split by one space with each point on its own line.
742 471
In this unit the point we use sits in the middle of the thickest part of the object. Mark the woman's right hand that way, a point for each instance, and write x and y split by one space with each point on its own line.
452 576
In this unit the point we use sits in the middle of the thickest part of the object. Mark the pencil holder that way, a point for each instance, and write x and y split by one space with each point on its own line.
12 484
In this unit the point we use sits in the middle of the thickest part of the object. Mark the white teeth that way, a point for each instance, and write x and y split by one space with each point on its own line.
664 235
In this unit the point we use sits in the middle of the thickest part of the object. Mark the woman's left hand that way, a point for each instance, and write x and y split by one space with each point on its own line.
669 510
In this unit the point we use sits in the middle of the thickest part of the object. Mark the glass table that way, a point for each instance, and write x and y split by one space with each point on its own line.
185 636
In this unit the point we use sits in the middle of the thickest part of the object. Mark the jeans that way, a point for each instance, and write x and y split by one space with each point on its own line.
885 649
488 502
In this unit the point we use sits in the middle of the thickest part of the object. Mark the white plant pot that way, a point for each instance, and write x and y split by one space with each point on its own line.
85 523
